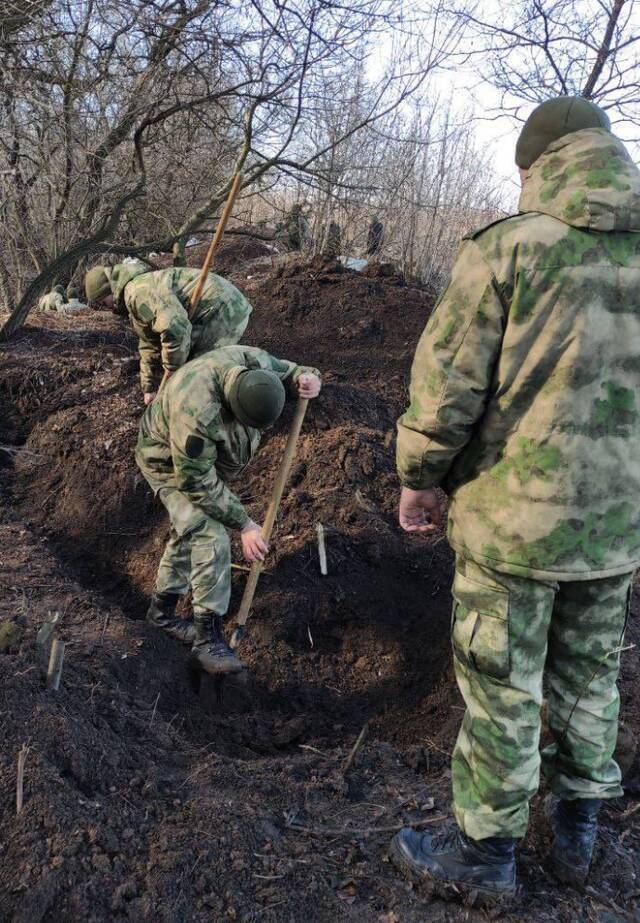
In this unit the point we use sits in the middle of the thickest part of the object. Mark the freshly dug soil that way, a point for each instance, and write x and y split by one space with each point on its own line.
144 800
233 253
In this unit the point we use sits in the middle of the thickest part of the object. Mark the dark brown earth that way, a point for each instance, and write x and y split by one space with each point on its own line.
144 801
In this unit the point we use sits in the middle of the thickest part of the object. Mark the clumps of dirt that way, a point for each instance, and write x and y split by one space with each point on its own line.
77 478
236 252
144 801
362 331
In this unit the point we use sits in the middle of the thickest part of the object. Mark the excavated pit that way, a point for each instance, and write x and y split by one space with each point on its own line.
148 801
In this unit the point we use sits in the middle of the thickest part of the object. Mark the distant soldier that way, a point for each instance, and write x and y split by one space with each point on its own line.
296 228
73 302
53 300
157 302
333 243
204 429
375 236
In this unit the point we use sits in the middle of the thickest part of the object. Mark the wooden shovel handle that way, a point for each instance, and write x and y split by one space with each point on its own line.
196 295
272 512
213 246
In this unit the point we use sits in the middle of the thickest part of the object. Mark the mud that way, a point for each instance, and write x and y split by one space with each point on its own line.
146 801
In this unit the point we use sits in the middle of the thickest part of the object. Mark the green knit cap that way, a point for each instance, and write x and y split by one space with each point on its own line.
97 284
257 398
552 120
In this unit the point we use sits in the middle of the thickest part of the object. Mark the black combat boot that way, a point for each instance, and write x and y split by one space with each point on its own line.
210 652
575 826
162 614
482 872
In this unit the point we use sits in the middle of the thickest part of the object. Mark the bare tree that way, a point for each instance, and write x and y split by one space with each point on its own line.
122 122
15 14
533 49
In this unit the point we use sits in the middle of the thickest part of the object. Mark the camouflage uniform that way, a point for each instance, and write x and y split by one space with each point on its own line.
333 243
52 301
157 303
375 236
73 305
523 407
296 228
189 444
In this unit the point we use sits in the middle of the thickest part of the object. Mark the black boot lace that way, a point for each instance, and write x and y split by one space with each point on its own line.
446 841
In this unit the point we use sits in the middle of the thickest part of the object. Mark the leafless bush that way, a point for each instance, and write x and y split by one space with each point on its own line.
122 122
539 48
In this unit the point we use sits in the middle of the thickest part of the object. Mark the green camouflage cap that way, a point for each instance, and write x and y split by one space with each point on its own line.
552 120
257 398
97 284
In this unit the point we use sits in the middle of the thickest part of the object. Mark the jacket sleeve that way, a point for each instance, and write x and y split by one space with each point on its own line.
150 363
194 453
160 316
452 372
172 323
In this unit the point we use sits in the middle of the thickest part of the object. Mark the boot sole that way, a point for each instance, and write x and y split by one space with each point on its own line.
447 890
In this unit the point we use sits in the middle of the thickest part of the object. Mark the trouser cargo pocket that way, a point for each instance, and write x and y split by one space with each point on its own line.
480 626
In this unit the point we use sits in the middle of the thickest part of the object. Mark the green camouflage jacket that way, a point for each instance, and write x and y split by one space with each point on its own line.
52 301
524 388
157 302
190 441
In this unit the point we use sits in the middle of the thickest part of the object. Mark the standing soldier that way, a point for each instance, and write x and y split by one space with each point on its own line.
157 302
53 300
296 228
333 244
375 236
525 409
204 429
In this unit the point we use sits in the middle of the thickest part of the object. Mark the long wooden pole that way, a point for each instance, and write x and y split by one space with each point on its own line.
196 295
213 246
270 519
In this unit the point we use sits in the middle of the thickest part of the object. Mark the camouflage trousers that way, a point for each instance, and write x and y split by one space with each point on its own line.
197 556
507 632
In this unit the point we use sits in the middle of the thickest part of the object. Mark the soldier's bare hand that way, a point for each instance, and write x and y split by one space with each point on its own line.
148 397
309 386
420 510
254 546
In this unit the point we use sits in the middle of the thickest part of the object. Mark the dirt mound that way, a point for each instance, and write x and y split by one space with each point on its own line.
76 476
145 801
232 255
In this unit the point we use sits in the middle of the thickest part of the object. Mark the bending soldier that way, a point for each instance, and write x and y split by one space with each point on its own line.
524 408
204 429
53 300
157 303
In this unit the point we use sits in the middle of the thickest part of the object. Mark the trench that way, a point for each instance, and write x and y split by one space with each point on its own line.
368 642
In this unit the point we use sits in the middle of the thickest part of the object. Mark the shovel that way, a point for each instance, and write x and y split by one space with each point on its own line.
270 519
206 266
